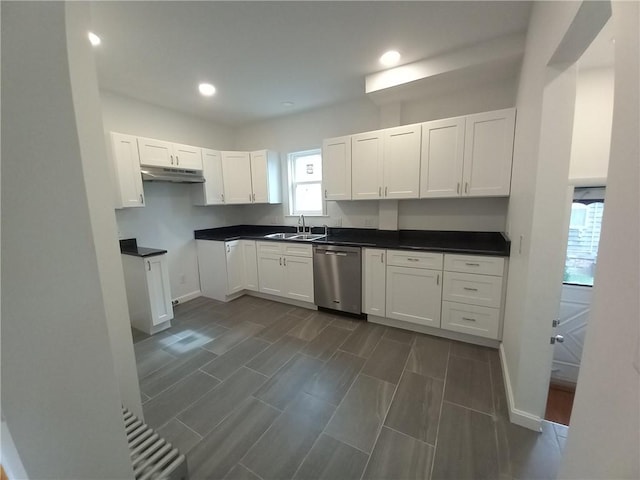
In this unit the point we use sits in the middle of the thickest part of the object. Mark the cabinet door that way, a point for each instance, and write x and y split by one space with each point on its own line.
127 164
366 166
250 265
235 267
375 279
188 157
336 168
442 158
414 295
298 278
259 177
155 153
401 155
159 290
488 153
213 188
236 174
270 273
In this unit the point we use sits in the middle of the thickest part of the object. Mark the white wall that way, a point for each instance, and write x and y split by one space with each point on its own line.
603 439
592 126
169 218
60 394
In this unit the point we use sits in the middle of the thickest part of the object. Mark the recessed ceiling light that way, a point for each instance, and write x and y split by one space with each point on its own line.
287 104
390 58
206 89
94 39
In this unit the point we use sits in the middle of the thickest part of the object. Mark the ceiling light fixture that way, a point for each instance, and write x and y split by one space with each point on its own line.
94 39
206 89
390 58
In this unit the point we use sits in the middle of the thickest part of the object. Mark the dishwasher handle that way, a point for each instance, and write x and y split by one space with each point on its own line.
336 250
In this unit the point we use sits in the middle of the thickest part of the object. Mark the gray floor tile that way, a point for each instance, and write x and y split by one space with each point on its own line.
279 328
330 459
222 449
196 339
301 313
399 335
281 389
160 409
233 337
211 408
473 352
533 454
346 322
276 355
429 356
326 342
361 413
469 384
363 339
415 409
174 371
309 327
466 445
333 381
154 342
281 450
138 335
150 362
240 472
387 360
222 367
311 409
179 435
398 456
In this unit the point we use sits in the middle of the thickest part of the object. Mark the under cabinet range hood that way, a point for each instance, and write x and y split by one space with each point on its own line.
176 175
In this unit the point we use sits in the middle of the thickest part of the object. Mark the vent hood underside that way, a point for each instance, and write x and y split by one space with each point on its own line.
175 175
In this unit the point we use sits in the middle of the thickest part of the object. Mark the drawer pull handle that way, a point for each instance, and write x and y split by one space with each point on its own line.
472 264
471 289
438 279
469 319
280 261
413 259
382 258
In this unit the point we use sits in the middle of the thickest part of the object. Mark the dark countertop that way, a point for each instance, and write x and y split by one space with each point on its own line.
475 243
129 246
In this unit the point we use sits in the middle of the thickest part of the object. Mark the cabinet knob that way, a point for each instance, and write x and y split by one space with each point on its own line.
141 199
386 189
222 197
254 197
177 160
171 159
438 279
284 261
280 261
379 191
249 198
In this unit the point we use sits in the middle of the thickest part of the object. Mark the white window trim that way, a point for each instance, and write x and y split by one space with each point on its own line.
290 184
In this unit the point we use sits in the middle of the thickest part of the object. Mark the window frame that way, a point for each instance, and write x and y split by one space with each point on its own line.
292 183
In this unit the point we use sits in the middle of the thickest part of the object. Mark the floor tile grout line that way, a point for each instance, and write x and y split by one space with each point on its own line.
444 387
495 422
244 466
409 436
188 428
490 415
280 414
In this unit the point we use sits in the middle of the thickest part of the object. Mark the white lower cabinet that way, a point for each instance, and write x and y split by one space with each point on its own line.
471 319
286 270
250 264
235 267
148 292
374 281
414 295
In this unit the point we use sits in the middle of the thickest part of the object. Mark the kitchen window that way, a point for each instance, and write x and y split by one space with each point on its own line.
305 183
584 236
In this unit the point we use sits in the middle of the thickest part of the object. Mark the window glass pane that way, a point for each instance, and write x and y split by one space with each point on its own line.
307 168
584 238
308 198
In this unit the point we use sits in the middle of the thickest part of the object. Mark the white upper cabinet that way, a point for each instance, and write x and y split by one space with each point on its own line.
158 153
265 177
401 162
366 165
126 161
336 168
211 192
442 158
236 171
488 153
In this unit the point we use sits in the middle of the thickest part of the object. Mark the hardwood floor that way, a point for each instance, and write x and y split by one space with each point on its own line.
261 390
559 405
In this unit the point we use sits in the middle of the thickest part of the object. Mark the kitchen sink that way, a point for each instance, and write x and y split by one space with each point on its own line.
281 236
295 236
309 236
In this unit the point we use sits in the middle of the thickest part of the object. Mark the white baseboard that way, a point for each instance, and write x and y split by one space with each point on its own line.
519 417
188 296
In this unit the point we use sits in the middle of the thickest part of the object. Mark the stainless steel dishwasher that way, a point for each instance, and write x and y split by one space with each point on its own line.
337 278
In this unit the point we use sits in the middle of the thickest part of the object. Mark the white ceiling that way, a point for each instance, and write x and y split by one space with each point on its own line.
260 54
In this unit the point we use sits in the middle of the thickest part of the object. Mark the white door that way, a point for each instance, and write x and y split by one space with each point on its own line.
159 290
366 166
414 295
212 172
270 273
488 153
442 158
188 157
336 168
259 177
236 173
250 264
127 164
374 281
298 278
401 158
235 267
155 153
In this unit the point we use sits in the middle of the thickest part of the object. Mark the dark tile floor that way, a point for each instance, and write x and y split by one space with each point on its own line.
254 389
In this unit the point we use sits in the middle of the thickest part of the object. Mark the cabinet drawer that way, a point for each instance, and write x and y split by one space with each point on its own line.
471 319
269 247
406 258
474 264
297 249
483 290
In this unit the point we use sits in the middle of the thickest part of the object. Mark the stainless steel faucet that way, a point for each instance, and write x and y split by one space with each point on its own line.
301 220
326 229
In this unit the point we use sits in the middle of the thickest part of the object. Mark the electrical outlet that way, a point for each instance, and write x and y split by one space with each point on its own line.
337 222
